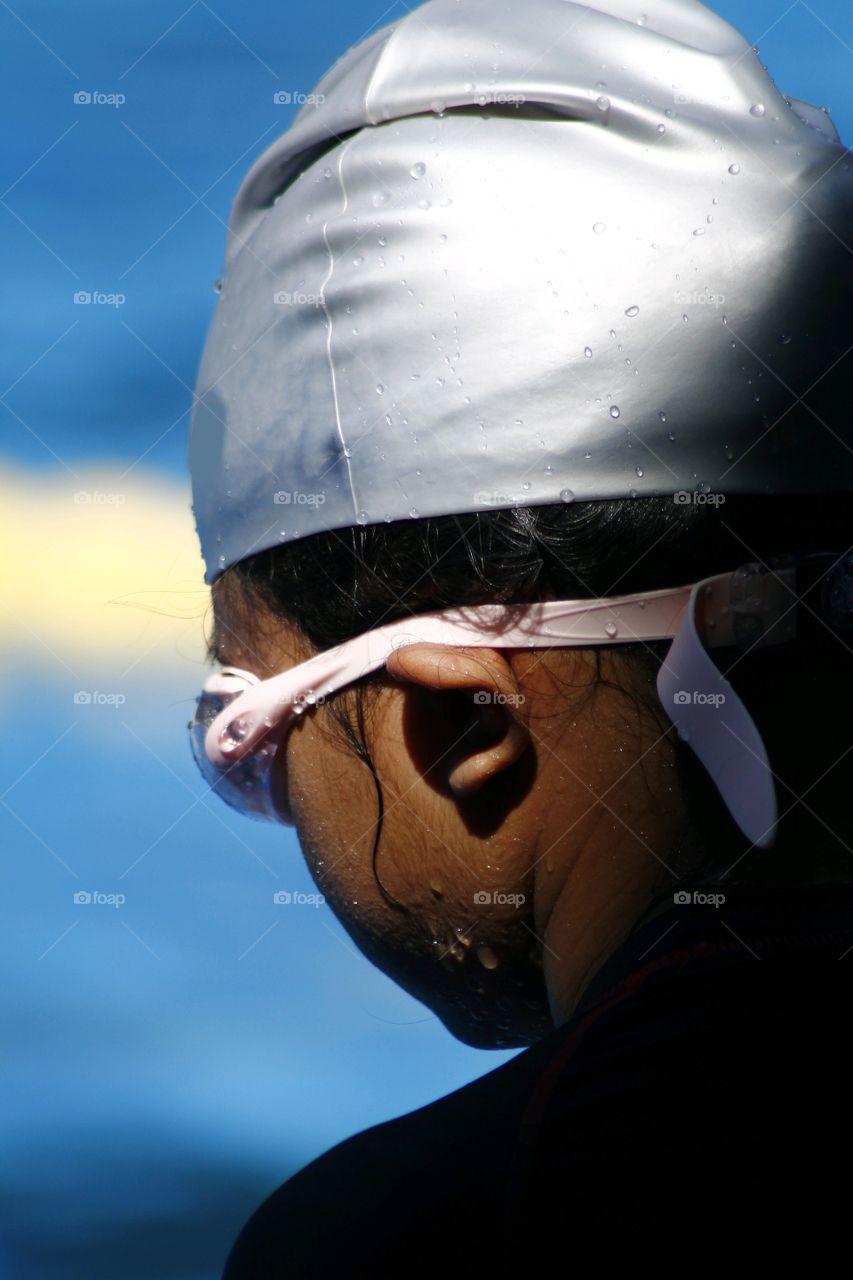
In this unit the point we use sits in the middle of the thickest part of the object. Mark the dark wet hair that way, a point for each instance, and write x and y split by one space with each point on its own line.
337 584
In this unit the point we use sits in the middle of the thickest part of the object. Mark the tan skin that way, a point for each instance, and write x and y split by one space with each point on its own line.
558 793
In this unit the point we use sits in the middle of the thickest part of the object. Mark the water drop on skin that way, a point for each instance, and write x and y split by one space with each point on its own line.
487 958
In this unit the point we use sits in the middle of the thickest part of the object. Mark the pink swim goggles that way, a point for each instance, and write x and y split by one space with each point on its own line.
241 721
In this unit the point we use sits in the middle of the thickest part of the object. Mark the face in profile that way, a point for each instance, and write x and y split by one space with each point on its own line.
500 787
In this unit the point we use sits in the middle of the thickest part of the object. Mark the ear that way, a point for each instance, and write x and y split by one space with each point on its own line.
498 714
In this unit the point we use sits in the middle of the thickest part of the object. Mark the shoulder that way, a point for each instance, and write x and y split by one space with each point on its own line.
436 1172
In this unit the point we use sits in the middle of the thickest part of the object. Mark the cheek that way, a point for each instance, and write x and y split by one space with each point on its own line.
333 801
416 913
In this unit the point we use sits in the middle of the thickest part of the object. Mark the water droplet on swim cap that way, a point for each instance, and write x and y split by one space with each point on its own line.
301 387
611 628
603 103
632 311
757 110
567 495
615 411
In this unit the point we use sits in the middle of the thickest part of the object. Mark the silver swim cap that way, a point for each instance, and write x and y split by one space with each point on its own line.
512 254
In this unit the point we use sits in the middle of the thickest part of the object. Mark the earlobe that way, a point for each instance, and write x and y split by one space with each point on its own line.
467 777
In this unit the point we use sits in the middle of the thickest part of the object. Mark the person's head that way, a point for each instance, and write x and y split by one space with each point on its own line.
508 316
488 824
